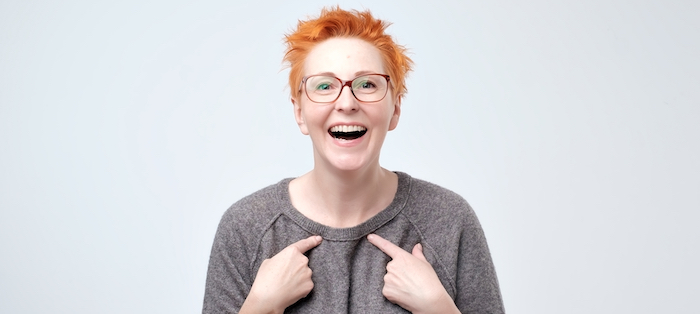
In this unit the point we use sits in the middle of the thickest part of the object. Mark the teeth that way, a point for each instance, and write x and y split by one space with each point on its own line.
347 128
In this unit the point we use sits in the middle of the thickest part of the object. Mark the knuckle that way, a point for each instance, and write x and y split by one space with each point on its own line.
389 278
388 294
306 287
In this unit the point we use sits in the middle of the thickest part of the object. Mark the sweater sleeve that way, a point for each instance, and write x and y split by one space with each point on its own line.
230 277
457 247
477 284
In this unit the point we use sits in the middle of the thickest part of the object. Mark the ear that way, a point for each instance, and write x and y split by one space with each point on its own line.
299 117
397 112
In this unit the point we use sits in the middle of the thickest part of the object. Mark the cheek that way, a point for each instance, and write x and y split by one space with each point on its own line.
387 115
314 120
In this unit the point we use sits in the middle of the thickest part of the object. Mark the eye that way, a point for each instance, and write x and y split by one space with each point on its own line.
367 84
364 84
323 86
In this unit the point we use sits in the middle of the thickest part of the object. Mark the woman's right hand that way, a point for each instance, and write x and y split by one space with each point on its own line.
282 280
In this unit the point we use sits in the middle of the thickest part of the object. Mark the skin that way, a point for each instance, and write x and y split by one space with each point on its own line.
346 187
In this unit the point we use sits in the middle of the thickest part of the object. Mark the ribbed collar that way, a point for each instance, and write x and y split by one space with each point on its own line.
345 234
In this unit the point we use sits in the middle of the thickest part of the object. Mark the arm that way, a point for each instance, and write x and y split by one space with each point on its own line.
282 280
229 288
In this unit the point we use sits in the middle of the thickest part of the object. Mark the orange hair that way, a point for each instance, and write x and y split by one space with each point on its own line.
335 22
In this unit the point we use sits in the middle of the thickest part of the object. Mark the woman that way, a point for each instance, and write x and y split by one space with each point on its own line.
349 236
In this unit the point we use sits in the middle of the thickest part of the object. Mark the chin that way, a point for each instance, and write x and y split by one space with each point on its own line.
349 162
348 165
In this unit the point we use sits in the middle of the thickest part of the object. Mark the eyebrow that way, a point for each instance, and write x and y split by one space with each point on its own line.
358 73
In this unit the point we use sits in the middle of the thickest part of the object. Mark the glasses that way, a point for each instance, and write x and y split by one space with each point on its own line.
327 89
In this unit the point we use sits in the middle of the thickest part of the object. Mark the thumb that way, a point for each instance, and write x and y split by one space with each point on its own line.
418 252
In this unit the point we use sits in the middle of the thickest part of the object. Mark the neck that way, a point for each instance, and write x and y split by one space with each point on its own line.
344 199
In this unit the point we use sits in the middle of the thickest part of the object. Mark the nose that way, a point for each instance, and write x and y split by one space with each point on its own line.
346 101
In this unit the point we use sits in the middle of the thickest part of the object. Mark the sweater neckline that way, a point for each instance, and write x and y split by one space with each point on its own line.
350 233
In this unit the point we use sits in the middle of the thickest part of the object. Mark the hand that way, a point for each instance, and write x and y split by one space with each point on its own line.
410 280
282 280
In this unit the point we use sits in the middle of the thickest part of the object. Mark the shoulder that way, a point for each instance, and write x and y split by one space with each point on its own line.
435 209
425 196
432 192
256 210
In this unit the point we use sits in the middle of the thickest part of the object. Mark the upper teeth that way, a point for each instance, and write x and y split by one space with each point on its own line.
347 128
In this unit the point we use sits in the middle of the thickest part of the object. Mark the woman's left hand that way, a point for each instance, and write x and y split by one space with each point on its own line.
410 280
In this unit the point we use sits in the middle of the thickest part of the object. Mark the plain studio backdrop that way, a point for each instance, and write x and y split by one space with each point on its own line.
128 127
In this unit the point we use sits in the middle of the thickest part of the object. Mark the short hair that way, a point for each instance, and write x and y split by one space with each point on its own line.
335 22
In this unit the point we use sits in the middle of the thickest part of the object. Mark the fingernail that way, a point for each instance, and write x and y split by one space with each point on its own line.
318 238
370 236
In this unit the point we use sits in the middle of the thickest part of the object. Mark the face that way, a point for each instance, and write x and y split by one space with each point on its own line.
347 134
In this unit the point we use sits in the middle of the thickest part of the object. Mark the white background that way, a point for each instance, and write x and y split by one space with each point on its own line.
128 127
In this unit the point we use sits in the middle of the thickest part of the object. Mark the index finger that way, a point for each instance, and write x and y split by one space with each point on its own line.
387 247
304 245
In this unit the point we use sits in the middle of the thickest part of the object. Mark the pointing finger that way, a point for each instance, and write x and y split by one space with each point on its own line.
387 247
304 245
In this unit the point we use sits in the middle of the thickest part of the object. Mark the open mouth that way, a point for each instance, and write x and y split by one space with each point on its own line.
347 132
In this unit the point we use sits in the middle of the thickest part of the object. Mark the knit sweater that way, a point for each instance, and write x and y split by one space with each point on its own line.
348 271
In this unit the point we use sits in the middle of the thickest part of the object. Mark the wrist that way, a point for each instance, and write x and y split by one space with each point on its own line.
442 304
254 304
447 305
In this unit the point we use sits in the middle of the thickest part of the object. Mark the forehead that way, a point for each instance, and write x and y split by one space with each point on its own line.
343 57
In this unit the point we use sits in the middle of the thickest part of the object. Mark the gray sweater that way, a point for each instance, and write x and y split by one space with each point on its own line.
348 271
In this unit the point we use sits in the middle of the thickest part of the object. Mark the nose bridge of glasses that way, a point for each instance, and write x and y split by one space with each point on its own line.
345 83
342 87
